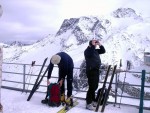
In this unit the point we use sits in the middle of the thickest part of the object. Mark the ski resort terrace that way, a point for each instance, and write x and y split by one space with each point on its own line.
21 77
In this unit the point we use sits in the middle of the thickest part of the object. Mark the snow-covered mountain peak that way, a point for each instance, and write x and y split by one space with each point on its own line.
124 38
66 25
77 31
4 45
126 12
17 43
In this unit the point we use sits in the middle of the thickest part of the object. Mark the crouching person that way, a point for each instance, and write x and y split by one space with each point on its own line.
65 65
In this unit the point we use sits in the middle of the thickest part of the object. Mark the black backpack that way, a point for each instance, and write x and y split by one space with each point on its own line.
103 96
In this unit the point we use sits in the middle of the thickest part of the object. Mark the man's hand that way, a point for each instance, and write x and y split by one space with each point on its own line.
95 43
48 82
60 82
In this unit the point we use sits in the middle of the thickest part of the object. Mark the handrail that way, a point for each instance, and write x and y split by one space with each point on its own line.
78 90
117 71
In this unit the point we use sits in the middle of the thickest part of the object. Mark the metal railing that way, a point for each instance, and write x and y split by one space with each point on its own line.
24 73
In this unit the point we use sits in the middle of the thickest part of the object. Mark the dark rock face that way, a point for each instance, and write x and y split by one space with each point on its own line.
80 80
132 91
67 24
83 29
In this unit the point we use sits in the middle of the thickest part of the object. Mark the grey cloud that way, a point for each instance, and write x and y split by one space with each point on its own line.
34 19
27 20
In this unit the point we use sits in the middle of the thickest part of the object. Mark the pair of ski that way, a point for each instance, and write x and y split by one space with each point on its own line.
38 80
103 88
66 107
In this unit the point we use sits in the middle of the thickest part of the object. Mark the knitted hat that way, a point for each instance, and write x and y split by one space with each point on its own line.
55 59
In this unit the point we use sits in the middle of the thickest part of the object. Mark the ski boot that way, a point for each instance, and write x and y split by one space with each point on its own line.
62 99
69 101
45 101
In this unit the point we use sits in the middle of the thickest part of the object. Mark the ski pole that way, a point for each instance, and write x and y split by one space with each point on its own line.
117 80
31 71
37 80
123 85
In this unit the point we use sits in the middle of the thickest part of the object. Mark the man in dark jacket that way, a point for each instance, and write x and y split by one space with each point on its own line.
65 65
93 63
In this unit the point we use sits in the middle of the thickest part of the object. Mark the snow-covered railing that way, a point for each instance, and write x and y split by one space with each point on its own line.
23 73
20 69
1 61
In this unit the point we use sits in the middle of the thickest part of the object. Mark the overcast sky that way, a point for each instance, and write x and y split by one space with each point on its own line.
30 20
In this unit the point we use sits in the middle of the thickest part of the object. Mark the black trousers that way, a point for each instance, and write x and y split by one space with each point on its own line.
69 82
93 80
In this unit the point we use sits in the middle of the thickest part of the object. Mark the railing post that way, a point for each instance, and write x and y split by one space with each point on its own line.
116 87
1 61
142 91
24 76
1 11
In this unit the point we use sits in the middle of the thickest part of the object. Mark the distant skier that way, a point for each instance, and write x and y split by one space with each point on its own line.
93 63
65 65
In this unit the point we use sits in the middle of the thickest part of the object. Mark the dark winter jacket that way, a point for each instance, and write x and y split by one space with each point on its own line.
66 64
92 57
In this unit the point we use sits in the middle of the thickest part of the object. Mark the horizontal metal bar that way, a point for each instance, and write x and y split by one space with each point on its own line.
118 71
25 90
12 88
12 81
129 97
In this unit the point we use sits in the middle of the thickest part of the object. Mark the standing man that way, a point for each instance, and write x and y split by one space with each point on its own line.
93 63
65 65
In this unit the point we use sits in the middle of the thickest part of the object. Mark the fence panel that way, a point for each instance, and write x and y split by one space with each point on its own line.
19 77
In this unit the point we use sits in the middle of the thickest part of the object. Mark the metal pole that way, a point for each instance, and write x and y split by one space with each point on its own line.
142 91
117 80
116 87
1 61
1 11
123 84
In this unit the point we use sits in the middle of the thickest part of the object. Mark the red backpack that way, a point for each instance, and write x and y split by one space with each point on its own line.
54 95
